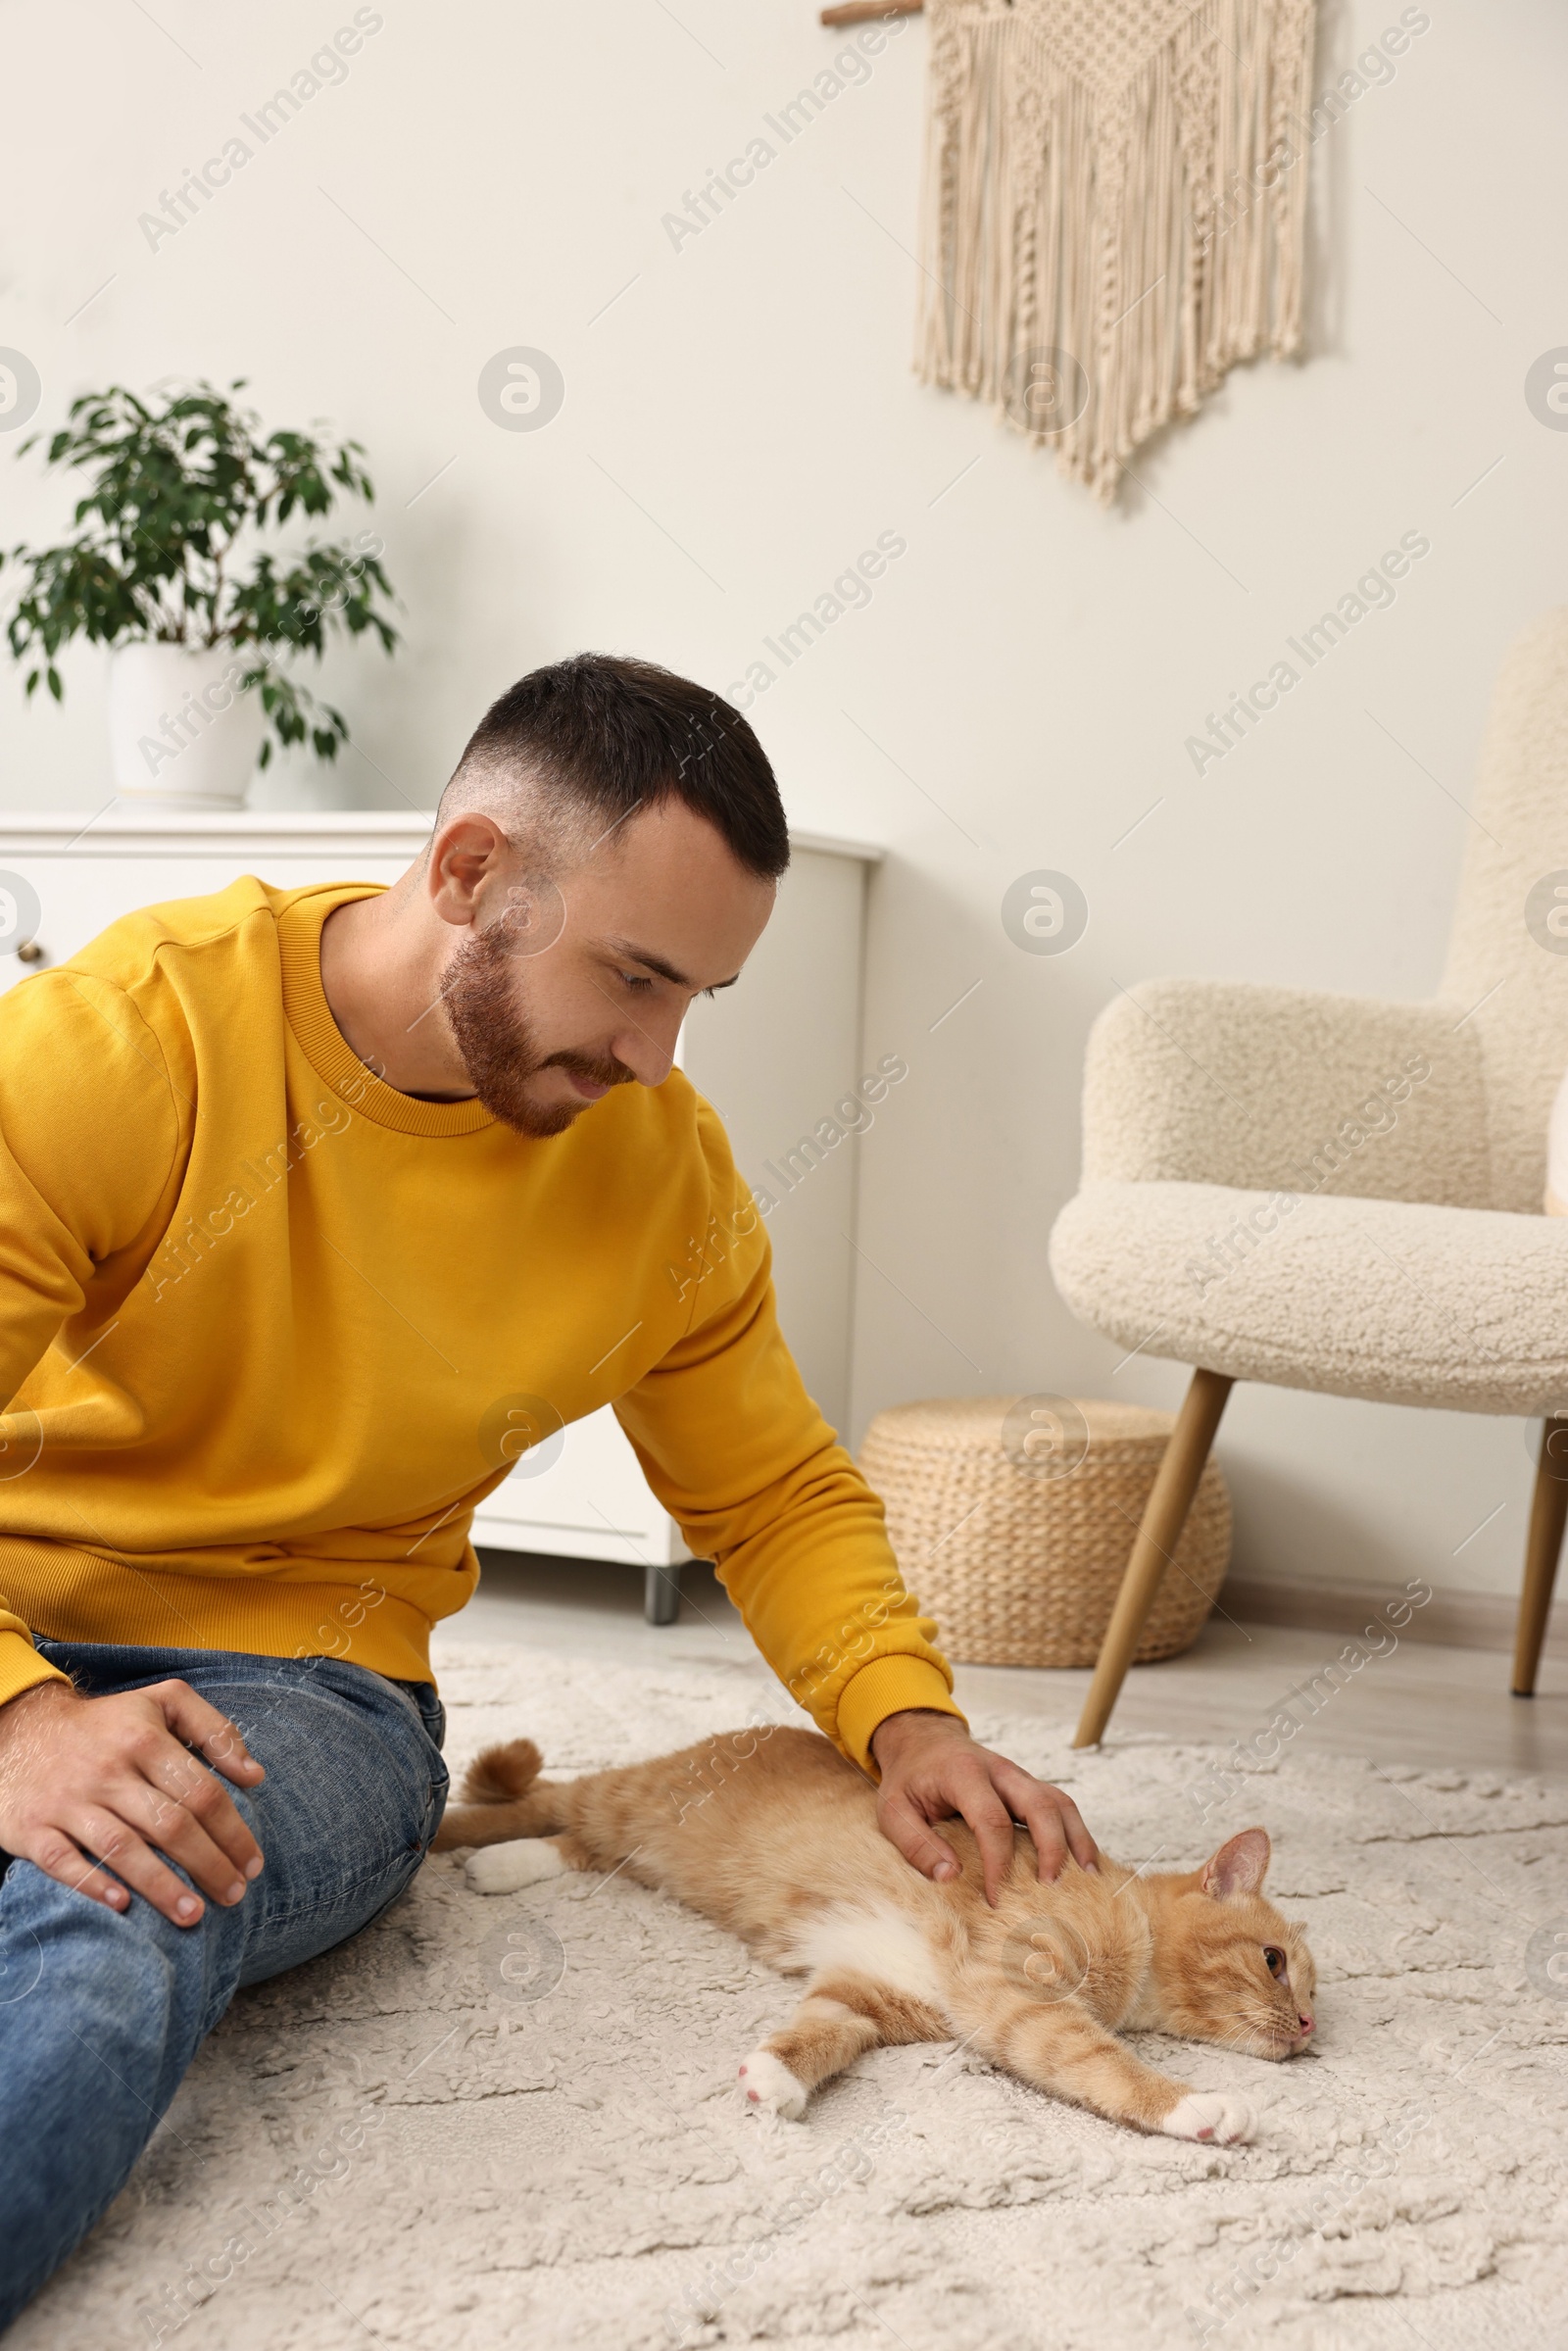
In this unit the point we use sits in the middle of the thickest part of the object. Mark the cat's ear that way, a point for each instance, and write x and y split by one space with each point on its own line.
1239 1866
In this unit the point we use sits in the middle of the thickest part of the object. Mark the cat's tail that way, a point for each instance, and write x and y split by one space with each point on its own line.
505 1797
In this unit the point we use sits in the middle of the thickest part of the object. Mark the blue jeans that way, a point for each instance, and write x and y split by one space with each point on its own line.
101 2012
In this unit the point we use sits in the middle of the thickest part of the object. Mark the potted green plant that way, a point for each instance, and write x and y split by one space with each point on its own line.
170 568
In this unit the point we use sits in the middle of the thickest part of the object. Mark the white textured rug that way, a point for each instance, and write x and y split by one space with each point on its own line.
513 2121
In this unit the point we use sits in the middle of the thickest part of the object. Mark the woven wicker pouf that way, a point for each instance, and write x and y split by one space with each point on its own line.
1013 1518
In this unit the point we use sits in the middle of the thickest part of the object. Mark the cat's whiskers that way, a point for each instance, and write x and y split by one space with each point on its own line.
1244 2028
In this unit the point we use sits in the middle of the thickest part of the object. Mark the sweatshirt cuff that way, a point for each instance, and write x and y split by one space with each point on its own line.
883 1687
21 1668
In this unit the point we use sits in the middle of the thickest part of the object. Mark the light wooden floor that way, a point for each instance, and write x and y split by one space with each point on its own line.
1422 1703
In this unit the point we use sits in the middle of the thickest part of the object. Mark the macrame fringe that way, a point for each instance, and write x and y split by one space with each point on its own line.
1115 210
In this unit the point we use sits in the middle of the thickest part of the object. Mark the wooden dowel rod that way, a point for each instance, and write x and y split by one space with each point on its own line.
1164 1517
859 12
1548 1511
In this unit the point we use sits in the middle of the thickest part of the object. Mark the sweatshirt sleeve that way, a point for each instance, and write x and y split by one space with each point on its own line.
748 1469
89 1133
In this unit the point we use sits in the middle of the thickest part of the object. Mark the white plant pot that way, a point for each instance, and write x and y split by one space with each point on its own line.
179 729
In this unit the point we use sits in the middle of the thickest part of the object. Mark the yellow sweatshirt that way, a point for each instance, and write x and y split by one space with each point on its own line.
271 1329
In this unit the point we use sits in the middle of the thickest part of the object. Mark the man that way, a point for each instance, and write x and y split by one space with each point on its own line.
301 1192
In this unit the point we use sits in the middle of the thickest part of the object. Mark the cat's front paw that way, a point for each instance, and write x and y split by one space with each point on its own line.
502 1869
765 2082
1210 2115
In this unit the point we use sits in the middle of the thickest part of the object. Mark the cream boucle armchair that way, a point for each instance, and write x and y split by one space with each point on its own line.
1331 1192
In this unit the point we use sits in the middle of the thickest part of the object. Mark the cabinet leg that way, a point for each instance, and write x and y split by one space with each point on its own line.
1164 1517
1548 1512
662 1596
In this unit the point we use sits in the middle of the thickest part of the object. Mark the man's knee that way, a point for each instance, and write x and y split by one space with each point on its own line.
132 1974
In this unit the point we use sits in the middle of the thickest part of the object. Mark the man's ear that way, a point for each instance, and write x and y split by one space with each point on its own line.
1240 1866
467 852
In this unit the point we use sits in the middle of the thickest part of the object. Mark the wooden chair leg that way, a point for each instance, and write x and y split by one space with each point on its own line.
1548 1512
1164 1517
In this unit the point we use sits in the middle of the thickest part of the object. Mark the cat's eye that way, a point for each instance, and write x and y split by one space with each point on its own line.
1274 1959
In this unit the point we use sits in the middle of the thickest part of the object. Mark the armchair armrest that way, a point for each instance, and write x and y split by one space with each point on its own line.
1220 1082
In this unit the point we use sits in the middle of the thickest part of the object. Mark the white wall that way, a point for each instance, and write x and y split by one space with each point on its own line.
739 420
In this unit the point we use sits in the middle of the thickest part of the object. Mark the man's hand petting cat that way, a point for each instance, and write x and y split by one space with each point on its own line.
932 1770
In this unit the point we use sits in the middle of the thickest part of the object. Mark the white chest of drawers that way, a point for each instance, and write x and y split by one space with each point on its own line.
772 1055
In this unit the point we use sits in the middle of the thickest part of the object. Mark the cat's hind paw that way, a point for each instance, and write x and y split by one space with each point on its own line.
1210 2115
765 2081
521 1861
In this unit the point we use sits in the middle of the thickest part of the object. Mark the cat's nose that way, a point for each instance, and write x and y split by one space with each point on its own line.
1304 2021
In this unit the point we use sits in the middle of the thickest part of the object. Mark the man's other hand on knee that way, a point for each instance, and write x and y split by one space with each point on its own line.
89 1786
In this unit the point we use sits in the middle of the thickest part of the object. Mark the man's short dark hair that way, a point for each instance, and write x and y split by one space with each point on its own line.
594 736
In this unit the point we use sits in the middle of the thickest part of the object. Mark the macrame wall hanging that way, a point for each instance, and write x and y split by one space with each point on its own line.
1115 210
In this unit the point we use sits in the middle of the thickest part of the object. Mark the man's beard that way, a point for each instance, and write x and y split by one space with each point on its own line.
497 1040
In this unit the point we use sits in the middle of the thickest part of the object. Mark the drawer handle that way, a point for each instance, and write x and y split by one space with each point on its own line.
28 951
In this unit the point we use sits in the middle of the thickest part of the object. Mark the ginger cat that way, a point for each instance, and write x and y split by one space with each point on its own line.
773 1835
